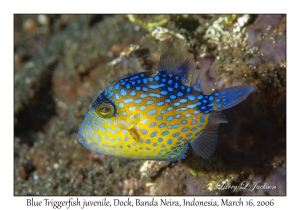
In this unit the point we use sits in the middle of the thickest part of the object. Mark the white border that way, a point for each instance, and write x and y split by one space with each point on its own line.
8 8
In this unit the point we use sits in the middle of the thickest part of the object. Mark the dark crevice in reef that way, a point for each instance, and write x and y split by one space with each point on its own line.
28 169
188 24
96 19
158 174
34 115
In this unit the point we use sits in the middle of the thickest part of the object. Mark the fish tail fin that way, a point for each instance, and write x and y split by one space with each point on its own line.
231 96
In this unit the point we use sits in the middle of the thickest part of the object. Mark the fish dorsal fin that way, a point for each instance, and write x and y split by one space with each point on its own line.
177 62
196 80
206 143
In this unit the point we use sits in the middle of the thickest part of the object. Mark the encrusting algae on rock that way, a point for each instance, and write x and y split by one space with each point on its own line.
154 115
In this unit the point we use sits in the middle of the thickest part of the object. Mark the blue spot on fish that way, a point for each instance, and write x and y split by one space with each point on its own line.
160 103
128 100
123 92
138 101
142 108
153 134
154 95
152 112
156 86
133 93
162 125
170 118
163 92
144 121
150 102
165 133
132 108
159 117
191 97
143 95
152 125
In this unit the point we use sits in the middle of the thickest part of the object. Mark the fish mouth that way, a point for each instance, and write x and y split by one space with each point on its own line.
81 138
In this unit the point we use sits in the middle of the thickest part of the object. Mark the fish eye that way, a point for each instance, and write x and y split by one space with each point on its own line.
105 110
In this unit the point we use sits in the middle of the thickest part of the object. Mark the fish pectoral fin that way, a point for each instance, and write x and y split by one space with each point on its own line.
206 143
134 133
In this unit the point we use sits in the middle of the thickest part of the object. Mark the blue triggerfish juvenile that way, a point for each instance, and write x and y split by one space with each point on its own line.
154 115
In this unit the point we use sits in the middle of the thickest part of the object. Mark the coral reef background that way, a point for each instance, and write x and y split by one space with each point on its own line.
62 62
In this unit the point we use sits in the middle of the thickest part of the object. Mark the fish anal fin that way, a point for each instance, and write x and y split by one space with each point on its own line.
206 143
